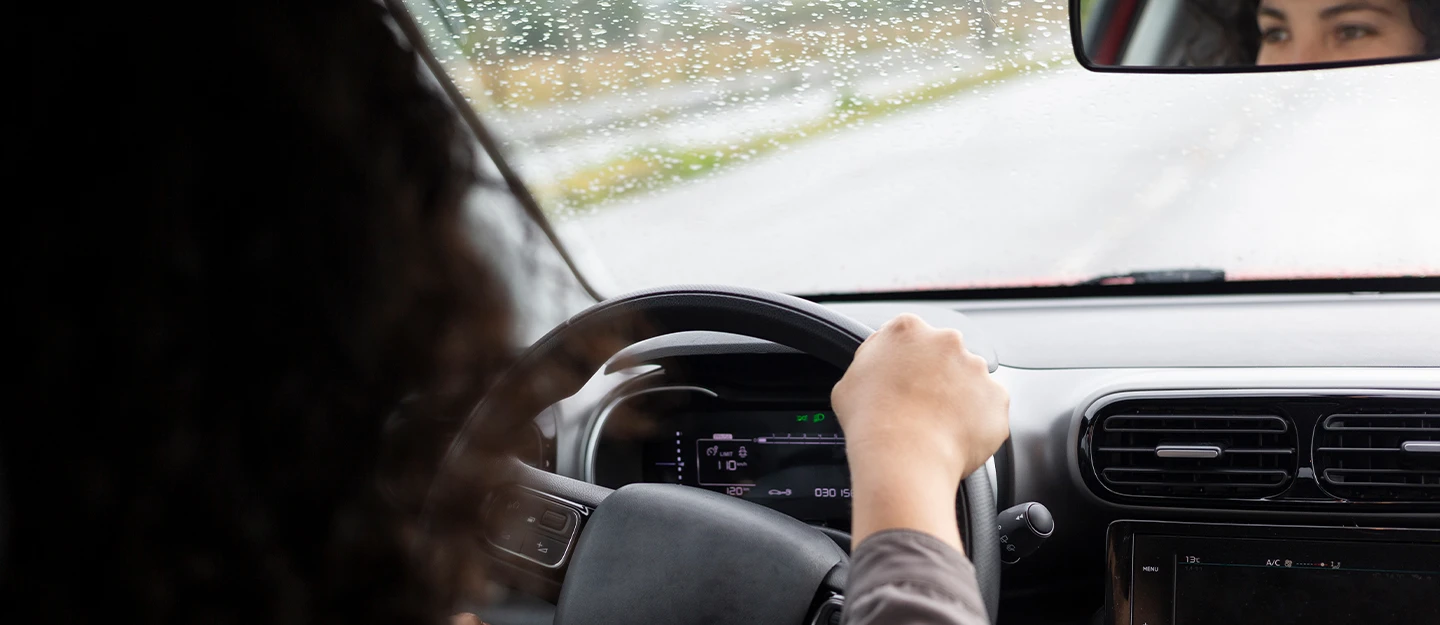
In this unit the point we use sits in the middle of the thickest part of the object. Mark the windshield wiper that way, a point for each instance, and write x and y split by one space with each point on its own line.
1159 276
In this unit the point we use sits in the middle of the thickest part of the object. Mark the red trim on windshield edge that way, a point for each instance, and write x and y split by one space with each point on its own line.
1236 284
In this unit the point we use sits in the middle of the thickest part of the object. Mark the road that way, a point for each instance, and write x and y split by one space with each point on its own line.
1061 176
551 142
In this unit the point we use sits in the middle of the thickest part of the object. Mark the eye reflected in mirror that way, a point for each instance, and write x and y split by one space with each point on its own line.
1252 35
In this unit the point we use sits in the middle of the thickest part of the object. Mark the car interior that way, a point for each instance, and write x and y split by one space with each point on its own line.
1185 447
1131 33
1168 34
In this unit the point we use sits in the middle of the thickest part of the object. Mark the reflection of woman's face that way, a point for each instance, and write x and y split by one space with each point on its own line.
1317 31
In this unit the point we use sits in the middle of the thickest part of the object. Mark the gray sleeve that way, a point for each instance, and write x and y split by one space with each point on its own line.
904 577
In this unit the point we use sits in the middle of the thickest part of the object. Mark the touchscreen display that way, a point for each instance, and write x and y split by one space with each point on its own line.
792 461
1190 580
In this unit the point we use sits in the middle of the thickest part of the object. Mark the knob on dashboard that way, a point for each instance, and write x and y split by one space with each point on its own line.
1022 529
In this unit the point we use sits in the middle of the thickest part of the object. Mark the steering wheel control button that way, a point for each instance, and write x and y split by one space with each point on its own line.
530 512
532 526
1022 529
1040 520
543 549
518 509
508 539
554 521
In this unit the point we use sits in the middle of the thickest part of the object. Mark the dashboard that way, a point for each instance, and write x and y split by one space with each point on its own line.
1225 459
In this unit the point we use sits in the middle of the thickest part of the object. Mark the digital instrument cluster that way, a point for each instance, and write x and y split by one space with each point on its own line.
791 461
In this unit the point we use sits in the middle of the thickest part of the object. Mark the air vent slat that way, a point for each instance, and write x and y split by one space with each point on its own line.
1381 478
1255 477
1151 450
1260 451
1206 424
1383 422
1364 457
1256 459
1359 429
1191 431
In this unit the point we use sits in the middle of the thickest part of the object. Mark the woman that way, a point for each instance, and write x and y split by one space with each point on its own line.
1302 32
1299 32
250 244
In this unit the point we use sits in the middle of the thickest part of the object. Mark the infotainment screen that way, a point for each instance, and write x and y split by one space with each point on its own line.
1204 574
792 461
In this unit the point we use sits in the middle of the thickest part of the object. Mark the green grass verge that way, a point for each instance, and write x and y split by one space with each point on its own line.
651 168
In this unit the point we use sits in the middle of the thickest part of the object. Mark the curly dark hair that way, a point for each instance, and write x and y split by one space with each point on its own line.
1425 14
1225 32
1222 33
245 241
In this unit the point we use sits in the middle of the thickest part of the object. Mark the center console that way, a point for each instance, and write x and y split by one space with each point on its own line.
1164 573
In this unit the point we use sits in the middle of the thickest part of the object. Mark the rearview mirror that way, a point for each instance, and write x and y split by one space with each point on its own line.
1196 36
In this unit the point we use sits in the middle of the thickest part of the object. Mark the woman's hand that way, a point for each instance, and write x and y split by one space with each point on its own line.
920 413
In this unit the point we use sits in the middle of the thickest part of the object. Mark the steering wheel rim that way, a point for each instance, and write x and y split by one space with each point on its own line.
782 319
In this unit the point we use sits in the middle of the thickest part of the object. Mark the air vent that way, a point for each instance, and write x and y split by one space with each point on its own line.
1379 457
1157 453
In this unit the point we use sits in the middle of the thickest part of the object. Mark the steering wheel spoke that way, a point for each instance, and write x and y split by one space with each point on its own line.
532 521
677 554
532 527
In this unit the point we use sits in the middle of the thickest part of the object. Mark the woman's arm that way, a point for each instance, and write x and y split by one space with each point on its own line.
920 413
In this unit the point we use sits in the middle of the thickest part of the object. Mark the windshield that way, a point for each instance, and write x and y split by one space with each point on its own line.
814 146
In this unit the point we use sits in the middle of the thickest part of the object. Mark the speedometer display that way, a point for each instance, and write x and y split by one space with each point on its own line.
792 461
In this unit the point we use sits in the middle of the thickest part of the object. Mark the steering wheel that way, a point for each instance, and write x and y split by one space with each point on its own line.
678 555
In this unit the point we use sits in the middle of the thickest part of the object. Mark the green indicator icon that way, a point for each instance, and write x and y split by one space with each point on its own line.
802 418
819 417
